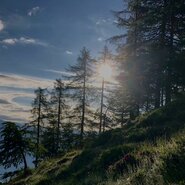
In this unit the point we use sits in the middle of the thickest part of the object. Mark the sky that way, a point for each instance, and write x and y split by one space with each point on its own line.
39 39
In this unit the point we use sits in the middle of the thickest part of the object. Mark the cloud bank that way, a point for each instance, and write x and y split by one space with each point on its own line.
16 94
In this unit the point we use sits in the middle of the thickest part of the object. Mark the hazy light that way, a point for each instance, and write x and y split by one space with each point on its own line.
105 71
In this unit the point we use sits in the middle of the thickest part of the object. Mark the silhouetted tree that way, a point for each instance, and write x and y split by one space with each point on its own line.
14 145
39 112
78 85
58 111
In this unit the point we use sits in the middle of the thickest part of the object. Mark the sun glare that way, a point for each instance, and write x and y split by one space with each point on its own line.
105 71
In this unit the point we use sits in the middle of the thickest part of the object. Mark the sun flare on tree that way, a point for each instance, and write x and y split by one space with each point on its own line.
105 71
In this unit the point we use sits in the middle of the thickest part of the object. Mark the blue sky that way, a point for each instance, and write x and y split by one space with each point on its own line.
40 38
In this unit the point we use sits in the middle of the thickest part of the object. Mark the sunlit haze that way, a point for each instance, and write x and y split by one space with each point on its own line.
105 71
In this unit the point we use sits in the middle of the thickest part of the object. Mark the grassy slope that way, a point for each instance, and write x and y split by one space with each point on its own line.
149 151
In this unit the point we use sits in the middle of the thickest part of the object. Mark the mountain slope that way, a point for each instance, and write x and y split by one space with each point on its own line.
150 150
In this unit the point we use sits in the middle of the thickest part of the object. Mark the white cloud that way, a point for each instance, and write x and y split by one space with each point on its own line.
33 11
69 52
23 40
1 25
9 41
100 39
27 40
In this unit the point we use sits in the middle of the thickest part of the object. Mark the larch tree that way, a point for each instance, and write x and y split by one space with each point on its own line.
78 87
39 112
59 108
104 62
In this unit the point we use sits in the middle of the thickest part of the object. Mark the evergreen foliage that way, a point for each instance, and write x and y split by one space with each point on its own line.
14 145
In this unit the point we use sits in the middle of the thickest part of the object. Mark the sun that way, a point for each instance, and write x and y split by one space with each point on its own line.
105 71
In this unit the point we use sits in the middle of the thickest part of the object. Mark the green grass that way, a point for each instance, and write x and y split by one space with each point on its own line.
151 150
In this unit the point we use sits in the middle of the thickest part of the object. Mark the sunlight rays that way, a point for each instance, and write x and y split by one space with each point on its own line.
105 71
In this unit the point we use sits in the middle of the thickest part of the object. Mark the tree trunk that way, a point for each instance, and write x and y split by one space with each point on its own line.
122 116
101 108
162 97
24 159
83 102
147 103
157 95
104 119
59 120
171 50
38 132
25 163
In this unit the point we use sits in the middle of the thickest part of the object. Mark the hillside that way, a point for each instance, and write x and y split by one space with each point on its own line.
150 150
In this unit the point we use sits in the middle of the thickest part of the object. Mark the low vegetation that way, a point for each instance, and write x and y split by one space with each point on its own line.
150 150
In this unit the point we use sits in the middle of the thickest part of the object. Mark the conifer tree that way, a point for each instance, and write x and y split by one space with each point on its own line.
78 88
130 48
59 109
105 59
150 50
39 112
14 145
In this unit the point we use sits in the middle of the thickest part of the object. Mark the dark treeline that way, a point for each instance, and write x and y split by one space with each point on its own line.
148 73
150 53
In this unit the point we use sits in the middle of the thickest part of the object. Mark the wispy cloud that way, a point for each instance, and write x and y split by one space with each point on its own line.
101 21
12 110
23 40
1 25
33 11
69 52
102 27
98 21
17 88
23 81
58 72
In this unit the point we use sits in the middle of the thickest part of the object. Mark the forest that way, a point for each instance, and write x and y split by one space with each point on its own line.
120 102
